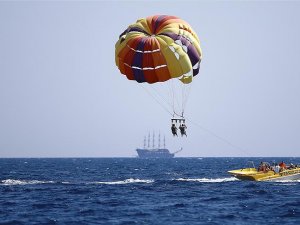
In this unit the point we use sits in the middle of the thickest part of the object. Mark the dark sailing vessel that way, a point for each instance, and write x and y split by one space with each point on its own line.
153 152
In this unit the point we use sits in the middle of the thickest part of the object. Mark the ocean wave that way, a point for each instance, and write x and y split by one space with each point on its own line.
127 181
208 180
23 182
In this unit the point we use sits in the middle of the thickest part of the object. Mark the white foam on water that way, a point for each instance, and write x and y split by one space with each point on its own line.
208 180
127 181
286 181
23 182
65 182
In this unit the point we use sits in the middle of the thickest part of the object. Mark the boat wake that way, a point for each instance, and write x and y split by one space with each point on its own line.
127 181
208 180
24 182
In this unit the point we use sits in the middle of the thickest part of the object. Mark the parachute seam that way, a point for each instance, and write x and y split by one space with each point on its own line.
145 68
155 50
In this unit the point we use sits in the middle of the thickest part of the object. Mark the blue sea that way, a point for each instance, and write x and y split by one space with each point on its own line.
142 191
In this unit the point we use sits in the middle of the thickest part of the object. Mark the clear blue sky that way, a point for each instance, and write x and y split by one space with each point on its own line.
61 94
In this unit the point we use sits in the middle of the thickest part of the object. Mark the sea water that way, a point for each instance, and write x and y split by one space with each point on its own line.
142 191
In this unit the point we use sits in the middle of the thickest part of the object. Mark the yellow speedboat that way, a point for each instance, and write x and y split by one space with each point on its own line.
291 173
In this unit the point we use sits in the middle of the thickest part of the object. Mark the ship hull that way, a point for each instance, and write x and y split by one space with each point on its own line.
154 153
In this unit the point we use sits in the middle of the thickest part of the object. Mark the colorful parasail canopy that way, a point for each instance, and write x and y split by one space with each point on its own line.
158 48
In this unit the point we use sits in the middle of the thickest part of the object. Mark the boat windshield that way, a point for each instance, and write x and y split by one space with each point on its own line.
250 164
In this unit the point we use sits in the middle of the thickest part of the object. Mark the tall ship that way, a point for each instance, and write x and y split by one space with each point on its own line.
153 151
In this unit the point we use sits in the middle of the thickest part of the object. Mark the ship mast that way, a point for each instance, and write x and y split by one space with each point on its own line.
148 140
153 140
159 140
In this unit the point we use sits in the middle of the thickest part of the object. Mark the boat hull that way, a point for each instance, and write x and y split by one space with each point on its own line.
254 175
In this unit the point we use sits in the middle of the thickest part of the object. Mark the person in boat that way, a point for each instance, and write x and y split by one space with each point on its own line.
282 165
182 129
261 167
292 166
277 168
264 167
174 130
268 167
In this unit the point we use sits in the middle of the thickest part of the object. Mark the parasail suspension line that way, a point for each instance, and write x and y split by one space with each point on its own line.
155 99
